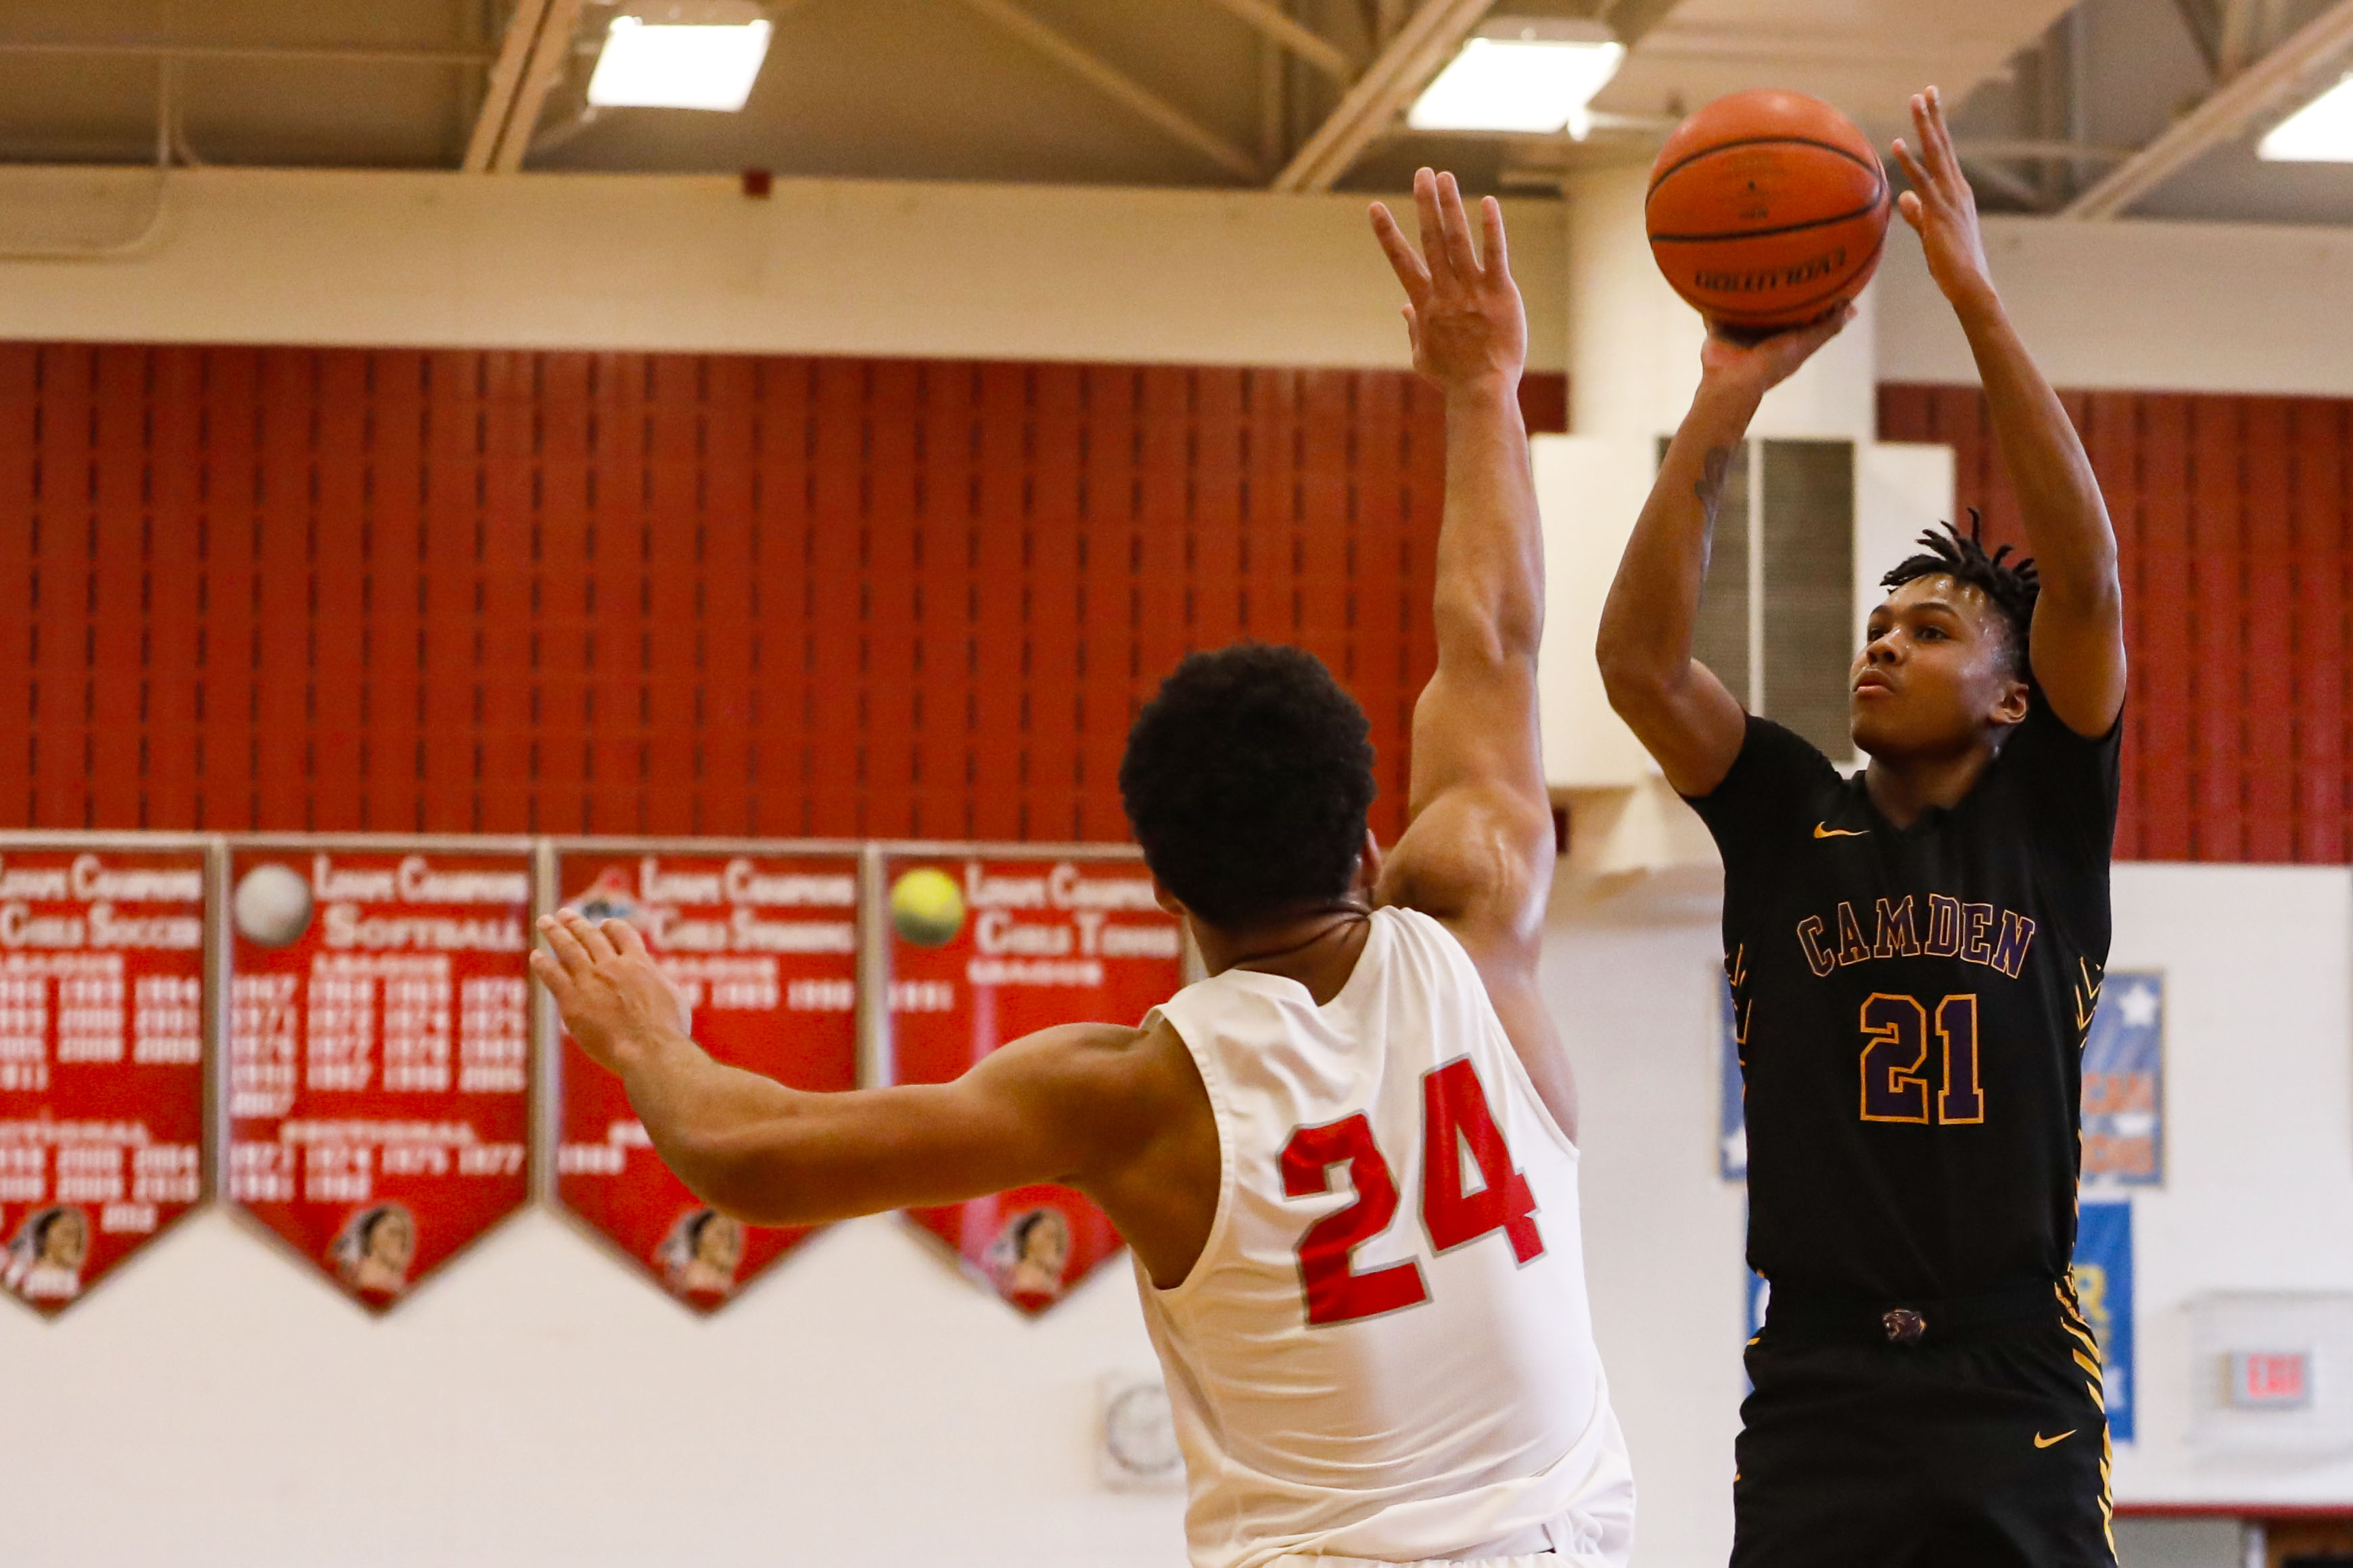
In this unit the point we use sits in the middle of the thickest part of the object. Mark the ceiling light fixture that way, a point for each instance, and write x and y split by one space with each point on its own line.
2319 132
681 56
1529 76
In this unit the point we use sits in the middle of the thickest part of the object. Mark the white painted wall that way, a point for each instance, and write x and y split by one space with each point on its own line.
539 1403
2133 304
689 263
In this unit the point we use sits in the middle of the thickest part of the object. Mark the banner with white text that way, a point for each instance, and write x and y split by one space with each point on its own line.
379 1061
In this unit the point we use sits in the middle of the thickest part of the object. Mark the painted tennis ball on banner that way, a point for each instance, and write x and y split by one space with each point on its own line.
1767 209
926 907
271 905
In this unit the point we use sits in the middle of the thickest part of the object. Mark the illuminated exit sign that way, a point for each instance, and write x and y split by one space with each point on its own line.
2270 1379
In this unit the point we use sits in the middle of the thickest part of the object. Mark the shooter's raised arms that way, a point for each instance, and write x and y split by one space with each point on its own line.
2078 646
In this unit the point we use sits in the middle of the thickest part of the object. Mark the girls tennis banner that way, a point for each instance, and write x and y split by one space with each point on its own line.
101 1058
764 950
988 947
379 1108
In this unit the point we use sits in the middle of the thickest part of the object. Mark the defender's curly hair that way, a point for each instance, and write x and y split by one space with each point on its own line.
2010 586
1247 779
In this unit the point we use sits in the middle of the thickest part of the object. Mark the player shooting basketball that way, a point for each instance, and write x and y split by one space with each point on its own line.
1344 1163
1915 953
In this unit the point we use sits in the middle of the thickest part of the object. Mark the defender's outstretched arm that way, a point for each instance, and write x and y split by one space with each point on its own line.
2078 649
1674 704
1047 1108
1477 852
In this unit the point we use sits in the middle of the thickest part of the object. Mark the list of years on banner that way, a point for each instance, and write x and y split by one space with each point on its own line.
764 952
991 948
379 1055
101 1053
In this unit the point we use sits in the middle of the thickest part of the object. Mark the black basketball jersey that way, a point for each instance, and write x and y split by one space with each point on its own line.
1911 1006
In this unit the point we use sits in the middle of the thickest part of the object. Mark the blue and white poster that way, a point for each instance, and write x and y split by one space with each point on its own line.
2102 1272
2124 1084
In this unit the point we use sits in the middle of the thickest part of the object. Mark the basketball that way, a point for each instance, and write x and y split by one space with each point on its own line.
926 907
1767 209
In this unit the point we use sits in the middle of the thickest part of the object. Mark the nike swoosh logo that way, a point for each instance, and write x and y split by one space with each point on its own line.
1824 830
2042 1442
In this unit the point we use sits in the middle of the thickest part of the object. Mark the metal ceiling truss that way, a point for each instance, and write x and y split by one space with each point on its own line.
2228 110
1117 85
1428 40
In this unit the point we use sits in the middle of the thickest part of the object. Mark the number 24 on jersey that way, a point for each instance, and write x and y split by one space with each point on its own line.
1456 1119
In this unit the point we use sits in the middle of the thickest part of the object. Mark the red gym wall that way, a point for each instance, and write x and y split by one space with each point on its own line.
2236 529
483 591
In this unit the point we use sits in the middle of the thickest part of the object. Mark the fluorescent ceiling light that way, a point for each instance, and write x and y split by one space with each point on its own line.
672 65
2319 132
1531 76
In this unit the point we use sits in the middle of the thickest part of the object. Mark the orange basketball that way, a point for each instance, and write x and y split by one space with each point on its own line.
1767 209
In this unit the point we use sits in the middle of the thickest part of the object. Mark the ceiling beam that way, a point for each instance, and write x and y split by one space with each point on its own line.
548 57
1427 41
1306 43
506 75
2237 41
2225 112
1116 84
2204 25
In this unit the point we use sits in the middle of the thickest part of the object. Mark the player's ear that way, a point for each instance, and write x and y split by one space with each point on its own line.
2011 703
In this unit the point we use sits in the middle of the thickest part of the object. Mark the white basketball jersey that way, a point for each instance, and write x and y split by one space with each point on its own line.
1384 1350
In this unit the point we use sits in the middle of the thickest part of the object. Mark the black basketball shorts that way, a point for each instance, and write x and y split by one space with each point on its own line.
1976 1448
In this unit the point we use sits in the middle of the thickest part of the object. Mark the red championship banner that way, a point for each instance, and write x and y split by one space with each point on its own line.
985 947
378 1082
765 946
101 1057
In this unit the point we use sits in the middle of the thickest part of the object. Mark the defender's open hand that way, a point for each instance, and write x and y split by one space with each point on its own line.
1941 206
614 1001
1462 310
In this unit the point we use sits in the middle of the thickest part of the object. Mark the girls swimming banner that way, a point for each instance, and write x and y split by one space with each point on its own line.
763 949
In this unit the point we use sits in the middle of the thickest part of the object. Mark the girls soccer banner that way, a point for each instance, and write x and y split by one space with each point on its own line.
101 1058
764 947
985 947
378 1082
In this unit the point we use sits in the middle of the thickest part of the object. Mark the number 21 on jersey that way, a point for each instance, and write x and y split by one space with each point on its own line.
1895 1050
1455 1120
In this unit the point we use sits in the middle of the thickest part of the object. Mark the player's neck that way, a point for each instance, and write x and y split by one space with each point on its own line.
1903 788
1317 948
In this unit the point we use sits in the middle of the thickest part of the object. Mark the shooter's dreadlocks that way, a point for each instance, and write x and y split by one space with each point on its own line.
2011 586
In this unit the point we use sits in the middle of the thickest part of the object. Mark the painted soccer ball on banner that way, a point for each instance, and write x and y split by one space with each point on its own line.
272 905
1035 942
